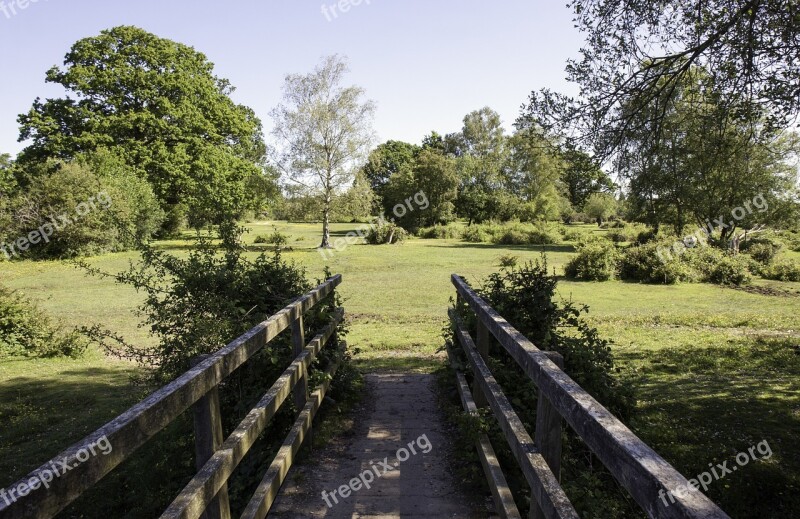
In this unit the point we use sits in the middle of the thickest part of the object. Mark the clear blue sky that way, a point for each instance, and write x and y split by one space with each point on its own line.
426 63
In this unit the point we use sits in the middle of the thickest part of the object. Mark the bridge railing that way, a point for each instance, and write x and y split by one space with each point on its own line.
637 467
206 494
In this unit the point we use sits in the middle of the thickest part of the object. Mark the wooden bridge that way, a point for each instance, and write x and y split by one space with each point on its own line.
402 408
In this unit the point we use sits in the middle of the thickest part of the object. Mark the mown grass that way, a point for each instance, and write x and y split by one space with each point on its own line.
716 368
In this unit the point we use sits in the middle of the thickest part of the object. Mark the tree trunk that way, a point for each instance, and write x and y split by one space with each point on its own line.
326 212
326 231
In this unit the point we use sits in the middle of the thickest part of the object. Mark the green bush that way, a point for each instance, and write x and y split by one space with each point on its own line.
762 251
596 261
386 233
508 260
512 237
646 236
721 267
580 218
85 207
525 296
730 270
441 232
277 239
643 263
782 270
512 233
26 331
647 263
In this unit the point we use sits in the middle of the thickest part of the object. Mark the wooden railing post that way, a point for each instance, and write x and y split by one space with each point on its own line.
207 439
547 435
483 348
298 345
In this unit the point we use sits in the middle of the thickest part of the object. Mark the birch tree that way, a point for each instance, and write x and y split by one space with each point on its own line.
323 132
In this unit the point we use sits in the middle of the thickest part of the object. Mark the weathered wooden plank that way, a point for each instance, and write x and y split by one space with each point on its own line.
501 493
544 486
547 434
482 341
637 467
208 436
298 343
130 430
194 498
267 490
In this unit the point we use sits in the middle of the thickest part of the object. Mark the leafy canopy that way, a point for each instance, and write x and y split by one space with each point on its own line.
157 104
638 51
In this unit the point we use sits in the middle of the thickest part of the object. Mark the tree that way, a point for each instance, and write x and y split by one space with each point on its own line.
324 131
600 206
355 204
533 174
388 159
482 154
7 181
707 163
749 47
435 179
157 104
582 175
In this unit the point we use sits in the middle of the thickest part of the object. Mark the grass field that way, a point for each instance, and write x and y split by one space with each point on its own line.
717 369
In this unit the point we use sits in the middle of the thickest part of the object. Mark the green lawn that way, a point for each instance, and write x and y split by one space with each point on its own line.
716 368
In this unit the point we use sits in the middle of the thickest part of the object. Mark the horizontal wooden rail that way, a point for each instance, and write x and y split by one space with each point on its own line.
267 490
545 487
132 429
196 496
505 506
638 468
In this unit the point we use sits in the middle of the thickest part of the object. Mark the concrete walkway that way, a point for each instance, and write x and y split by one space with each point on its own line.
398 412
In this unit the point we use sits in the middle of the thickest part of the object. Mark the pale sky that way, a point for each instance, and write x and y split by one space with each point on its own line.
426 63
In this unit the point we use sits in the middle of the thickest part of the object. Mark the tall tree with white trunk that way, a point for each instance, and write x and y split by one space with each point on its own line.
323 132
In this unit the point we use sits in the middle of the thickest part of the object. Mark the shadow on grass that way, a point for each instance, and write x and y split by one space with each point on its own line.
701 406
521 248
43 416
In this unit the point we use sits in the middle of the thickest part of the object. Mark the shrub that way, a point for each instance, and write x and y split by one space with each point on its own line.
277 239
718 266
620 232
646 264
730 270
596 261
580 218
512 233
544 235
646 236
441 232
525 297
508 260
386 233
512 237
618 235
783 270
476 234
642 263
26 330
90 207
762 251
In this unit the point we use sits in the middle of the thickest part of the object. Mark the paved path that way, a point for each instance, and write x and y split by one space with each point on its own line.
398 410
